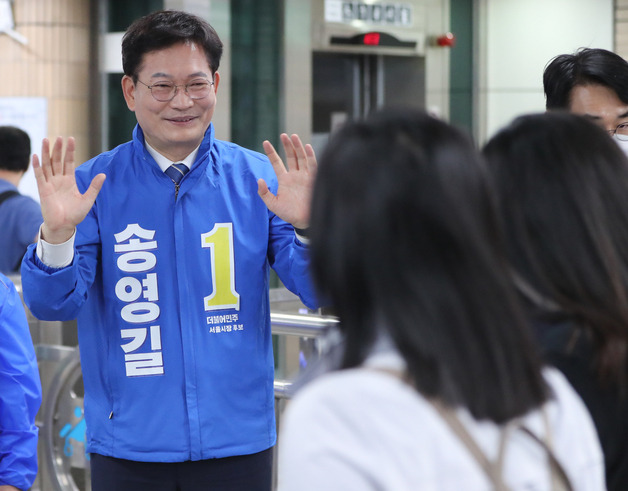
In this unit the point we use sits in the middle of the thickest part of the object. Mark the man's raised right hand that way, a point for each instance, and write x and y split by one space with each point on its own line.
62 204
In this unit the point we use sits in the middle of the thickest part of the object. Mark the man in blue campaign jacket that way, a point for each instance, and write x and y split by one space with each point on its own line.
20 393
168 273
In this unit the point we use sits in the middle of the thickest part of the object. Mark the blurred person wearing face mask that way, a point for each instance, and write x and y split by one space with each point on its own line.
591 82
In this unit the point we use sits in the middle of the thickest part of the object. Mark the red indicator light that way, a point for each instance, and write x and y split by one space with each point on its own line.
371 38
447 40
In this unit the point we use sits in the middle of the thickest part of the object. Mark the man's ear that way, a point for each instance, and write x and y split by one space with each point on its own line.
128 89
216 81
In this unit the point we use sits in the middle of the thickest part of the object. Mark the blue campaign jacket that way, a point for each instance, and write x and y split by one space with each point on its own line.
171 294
20 392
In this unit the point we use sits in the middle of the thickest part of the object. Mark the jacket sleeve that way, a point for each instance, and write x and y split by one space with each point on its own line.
289 257
20 392
59 294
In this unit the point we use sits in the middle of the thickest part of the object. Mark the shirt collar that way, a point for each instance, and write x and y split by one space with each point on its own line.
164 163
5 185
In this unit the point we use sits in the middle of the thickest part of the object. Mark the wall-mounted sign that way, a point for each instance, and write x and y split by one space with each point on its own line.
387 14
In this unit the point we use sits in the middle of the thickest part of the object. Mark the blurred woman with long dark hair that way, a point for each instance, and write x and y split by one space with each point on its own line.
562 187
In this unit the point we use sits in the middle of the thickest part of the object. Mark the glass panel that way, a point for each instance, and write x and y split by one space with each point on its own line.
336 81
256 29
121 13
461 65
404 81
350 86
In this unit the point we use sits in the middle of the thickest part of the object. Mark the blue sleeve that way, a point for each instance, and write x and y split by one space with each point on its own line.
58 294
290 260
20 392
287 255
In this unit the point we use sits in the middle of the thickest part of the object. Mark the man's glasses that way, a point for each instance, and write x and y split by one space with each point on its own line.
198 88
621 132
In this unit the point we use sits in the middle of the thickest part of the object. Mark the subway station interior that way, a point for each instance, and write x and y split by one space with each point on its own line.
298 66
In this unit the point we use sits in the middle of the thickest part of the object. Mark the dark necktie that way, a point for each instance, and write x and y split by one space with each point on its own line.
176 172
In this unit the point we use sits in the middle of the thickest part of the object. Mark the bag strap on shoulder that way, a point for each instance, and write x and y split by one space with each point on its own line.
8 194
493 470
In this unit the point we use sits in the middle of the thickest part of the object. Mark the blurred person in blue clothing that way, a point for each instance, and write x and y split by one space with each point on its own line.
20 216
20 393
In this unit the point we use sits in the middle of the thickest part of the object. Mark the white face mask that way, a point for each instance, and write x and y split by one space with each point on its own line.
622 144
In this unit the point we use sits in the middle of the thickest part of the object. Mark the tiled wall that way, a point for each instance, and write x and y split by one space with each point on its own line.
54 64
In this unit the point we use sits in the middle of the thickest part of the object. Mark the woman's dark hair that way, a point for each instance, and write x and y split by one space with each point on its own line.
403 240
562 186
585 67
165 28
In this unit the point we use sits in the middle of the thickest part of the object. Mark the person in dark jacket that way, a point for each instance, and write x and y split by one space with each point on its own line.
562 188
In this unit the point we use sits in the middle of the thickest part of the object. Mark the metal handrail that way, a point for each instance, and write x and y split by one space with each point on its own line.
282 389
309 326
301 325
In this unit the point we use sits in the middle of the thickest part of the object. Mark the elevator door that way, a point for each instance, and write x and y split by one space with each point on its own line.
349 86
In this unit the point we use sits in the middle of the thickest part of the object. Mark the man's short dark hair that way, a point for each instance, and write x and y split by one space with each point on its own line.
585 67
15 149
165 28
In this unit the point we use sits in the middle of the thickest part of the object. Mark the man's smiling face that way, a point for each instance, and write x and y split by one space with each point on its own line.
176 127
